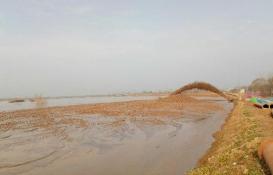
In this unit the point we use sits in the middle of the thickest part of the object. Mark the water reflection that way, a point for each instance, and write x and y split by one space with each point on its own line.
41 103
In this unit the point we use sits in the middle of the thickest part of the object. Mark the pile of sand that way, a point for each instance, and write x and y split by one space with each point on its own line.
180 98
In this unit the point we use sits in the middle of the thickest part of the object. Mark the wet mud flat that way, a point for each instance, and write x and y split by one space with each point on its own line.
165 136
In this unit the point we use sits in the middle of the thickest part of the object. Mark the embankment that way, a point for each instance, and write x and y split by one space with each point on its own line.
235 148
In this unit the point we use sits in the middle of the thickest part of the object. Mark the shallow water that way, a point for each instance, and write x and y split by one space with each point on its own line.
112 145
6 106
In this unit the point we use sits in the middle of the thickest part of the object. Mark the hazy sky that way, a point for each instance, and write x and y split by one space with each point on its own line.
76 47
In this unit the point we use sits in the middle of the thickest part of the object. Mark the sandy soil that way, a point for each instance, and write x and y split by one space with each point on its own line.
172 106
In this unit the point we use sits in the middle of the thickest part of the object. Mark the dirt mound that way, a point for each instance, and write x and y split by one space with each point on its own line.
179 98
199 85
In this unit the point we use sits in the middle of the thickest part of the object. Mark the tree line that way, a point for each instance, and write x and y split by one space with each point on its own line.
262 85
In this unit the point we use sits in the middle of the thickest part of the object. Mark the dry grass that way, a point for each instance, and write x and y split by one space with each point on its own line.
235 148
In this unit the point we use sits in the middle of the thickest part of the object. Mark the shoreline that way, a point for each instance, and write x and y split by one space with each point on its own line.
88 96
234 150
160 99
174 106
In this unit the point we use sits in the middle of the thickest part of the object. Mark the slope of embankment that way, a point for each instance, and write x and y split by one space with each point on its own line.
235 148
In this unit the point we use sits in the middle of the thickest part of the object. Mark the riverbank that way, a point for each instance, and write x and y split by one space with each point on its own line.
235 148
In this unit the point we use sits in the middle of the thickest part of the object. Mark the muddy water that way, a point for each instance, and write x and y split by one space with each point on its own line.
6 106
112 145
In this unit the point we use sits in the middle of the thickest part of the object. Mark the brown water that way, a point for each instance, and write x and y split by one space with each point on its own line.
112 145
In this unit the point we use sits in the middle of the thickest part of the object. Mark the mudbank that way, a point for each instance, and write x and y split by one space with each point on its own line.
163 136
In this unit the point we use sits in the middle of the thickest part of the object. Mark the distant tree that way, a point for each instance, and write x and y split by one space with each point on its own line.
262 85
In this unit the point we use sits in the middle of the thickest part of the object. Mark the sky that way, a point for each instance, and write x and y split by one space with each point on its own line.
84 47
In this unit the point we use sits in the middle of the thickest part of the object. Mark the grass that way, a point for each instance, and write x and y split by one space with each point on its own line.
235 148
